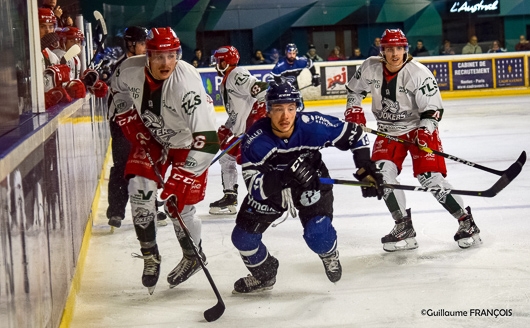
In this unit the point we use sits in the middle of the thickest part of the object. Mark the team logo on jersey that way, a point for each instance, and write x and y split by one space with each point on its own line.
156 125
429 87
401 89
241 78
375 82
143 217
190 102
308 119
309 197
120 105
190 162
357 74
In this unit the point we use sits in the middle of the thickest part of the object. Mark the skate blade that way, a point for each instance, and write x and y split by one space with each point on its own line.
151 290
474 240
259 290
112 229
403 245
229 210
161 223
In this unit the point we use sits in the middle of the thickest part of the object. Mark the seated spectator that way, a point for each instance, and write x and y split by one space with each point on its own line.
336 54
496 47
472 47
446 49
420 50
375 49
58 12
523 44
202 62
273 57
66 19
258 58
312 54
195 63
357 54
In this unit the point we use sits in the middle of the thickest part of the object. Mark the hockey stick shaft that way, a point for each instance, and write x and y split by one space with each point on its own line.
217 310
432 151
232 145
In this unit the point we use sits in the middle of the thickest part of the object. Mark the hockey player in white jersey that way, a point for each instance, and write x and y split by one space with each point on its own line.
406 103
243 98
168 117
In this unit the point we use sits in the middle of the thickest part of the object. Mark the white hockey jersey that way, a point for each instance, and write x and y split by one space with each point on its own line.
179 115
74 63
398 104
238 98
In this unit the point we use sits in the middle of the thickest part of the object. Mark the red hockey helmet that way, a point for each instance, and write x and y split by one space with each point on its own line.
394 38
229 54
72 33
46 15
163 39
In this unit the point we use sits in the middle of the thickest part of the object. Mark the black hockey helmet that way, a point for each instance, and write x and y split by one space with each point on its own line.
281 92
291 47
135 34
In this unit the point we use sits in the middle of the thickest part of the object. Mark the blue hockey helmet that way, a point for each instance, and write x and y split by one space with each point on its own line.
281 93
291 47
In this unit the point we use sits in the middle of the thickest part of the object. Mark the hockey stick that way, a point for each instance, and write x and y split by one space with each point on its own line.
71 53
232 145
439 153
511 173
307 86
101 22
218 309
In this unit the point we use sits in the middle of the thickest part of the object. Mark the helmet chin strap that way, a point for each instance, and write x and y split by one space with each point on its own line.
221 71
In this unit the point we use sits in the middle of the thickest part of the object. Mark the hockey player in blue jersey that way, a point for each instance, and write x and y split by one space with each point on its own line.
281 166
291 66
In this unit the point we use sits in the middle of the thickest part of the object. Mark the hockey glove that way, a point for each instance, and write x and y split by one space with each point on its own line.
176 190
315 81
226 138
423 137
55 96
133 127
100 89
259 110
58 74
301 171
355 114
369 173
89 77
76 89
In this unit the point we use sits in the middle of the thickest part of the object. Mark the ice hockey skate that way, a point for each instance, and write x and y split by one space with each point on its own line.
227 204
262 278
402 236
151 272
468 233
161 218
332 265
114 222
187 267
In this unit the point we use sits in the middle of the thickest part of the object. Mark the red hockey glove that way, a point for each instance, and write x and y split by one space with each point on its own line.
423 137
89 77
176 190
259 110
226 138
100 89
55 96
369 173
133 127
58 74
355 114
76 89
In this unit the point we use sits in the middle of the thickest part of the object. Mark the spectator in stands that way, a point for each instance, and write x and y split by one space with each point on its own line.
66 19
52 4
273 57
357 54
312 54
523 44
472 47
336 54
202 62
374 48
420 50
258 58
446 49
496 47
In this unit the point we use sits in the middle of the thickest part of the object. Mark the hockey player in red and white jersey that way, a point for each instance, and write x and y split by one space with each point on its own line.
406 103
166 114
69 36
49 39
244 100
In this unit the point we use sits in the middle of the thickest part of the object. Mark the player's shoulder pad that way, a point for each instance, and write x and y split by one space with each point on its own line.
130 63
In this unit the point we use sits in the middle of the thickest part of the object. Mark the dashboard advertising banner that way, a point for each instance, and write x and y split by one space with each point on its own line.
509 72
472 74
441 74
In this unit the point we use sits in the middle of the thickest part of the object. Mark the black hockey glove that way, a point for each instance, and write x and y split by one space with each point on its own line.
369 173
315 81
300 170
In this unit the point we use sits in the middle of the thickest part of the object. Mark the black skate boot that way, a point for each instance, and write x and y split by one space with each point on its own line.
151 272
187 267
332 265
468 233
115 222
403 231
227 204
263 277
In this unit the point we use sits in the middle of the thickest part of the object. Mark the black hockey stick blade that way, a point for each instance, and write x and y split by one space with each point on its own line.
216 311
511 173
